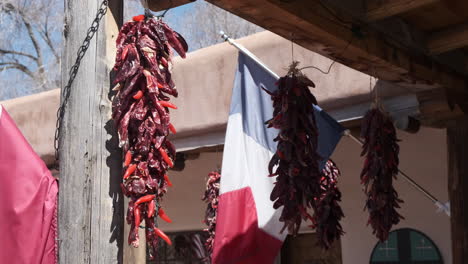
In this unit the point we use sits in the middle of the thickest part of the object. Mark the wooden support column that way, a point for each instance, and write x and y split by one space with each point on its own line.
457 142
90 200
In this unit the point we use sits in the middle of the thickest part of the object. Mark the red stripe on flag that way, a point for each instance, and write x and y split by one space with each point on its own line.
238 238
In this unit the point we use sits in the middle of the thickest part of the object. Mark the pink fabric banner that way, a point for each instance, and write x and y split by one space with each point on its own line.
28 200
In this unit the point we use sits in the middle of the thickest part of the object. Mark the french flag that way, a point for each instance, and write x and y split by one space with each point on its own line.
247 226
28 195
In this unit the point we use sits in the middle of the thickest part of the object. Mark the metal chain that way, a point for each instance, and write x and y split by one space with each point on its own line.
74 71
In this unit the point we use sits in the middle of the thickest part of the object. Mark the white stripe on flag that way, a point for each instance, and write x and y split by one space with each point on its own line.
245 164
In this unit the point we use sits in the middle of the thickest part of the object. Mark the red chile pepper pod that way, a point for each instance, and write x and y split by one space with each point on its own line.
145 199
128 158
280 154
164 216
138 95
137 215
166 157
164 62
166 178
151 207
172 128
124 52
161 234
167 104
139 18
130 171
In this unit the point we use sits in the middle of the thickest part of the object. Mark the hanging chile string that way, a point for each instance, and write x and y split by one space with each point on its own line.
380 168
296 159
141 113
211 197
328 213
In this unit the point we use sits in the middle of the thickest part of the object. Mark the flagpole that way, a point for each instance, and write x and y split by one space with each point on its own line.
248 53
431 197
441 207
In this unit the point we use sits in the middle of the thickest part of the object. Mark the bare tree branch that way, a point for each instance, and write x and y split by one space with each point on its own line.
17 66
33 39
46 37
44 33
4 51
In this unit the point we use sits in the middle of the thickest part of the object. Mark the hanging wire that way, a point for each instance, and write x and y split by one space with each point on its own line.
165 11
363 25
338 18
218 166
333 62
149 14
292 48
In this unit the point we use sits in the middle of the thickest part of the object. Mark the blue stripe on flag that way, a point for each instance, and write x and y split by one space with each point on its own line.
256 108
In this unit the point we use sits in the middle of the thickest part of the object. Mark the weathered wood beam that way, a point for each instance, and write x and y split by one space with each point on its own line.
363 49
435 109
449 39
377 9
457 143
90 199
159 5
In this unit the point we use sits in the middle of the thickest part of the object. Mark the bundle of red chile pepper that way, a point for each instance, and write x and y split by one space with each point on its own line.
297 171
211 198
328 212
380 168
141 113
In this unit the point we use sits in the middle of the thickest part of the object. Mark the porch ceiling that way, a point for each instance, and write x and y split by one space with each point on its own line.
417 44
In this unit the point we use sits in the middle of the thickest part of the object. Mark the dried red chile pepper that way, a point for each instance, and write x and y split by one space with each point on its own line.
211 198
140 111
328 213
380 168
296 159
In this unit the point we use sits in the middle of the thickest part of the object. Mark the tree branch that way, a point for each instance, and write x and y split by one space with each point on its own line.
4 51
17 66
33 39
45 36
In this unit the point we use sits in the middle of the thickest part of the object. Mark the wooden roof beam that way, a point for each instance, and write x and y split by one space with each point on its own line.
316 29
159 5
378 9
447 40
365 50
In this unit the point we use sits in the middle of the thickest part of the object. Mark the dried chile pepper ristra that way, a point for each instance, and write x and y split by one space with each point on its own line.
380 168
295 164
140 110
211 197
328 212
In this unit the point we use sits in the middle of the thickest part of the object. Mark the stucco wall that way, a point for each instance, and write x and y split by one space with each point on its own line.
35 116
205 81
423 156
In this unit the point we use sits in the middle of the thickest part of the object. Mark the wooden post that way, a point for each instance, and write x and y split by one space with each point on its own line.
133 255
90 201
457 142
